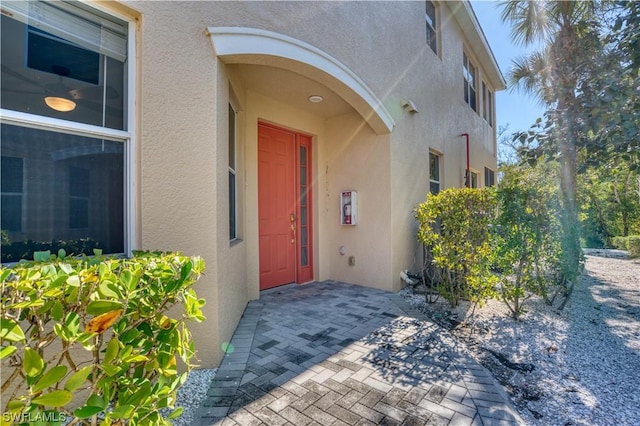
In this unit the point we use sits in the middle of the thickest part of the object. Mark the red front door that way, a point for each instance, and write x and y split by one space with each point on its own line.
283 197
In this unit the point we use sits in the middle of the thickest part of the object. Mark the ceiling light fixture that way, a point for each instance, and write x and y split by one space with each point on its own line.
60 104
316 99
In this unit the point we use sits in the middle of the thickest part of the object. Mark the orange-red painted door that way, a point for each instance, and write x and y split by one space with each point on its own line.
277 210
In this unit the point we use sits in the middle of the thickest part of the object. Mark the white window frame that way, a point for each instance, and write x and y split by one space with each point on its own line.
433 181
466 63
487 104
474 174
233 170
127 137
432 27
488 171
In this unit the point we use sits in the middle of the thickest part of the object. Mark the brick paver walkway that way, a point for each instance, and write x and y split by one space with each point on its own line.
337 354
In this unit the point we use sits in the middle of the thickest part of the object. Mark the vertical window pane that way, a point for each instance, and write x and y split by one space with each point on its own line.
469 77
304 257
474 180
303 196
11 213
303 155
74 193
233 208
434 173
432 37
434 167
232 138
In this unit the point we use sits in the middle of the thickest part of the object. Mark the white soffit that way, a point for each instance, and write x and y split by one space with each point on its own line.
261 47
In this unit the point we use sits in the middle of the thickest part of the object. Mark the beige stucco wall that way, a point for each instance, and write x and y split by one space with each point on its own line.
443 116
182 138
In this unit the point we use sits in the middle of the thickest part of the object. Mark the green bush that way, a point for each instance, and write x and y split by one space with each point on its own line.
18 250
97 331
454 225
621 243
526 240
633 245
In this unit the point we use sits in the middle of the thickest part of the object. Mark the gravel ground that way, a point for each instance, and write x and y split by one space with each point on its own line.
580 366
191 394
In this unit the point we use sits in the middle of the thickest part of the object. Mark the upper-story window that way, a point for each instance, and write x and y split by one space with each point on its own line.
434 173
432 26
469 76
65 128
487 103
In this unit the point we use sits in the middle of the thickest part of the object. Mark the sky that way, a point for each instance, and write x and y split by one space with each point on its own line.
516 109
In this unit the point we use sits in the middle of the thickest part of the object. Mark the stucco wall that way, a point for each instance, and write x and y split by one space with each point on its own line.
436 87
183 161
357 160
182 135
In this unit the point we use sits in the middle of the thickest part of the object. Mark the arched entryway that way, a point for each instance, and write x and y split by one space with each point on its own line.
274 76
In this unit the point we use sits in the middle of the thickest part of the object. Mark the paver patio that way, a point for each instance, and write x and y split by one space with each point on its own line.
337 354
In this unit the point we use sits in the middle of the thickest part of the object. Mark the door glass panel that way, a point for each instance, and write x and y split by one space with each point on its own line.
303 155
304 257
303 216
303 236
303 175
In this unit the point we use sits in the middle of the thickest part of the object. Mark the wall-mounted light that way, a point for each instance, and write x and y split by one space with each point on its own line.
409 105
316 99
60 104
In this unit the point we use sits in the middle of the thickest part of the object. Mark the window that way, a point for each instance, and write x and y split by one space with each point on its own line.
487 103
233 210
474 180
65 65
432 35
489 177
12 194
434 173
469 76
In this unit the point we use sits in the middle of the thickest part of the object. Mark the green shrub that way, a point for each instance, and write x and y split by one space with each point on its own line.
633 245
18 250
526 240
98 331
454 225
621 243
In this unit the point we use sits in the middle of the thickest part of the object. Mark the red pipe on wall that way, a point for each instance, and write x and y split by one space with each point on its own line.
467 174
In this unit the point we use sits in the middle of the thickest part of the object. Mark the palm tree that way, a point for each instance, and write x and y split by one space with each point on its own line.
567 36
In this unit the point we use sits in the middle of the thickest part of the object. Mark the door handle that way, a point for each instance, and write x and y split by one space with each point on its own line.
292 219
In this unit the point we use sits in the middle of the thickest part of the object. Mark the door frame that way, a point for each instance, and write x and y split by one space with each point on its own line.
303 273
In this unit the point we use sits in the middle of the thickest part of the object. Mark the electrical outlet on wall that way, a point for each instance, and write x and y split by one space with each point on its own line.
352 260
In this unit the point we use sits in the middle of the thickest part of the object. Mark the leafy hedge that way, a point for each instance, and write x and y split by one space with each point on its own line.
620 243
630 243
99 330
454 225
633 246
492 242
17 250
